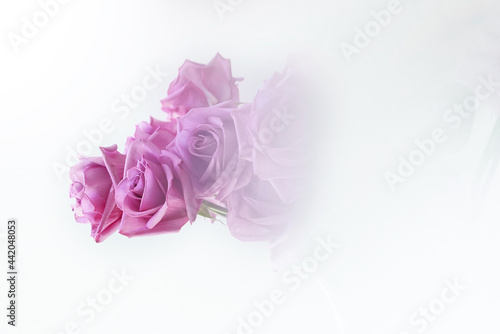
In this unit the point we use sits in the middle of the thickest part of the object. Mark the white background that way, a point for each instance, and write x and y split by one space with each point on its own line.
397 248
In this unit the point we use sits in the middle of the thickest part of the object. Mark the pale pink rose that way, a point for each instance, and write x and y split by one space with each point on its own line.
199 86
207 143
274 133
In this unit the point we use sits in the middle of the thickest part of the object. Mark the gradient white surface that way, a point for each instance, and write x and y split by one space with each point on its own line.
397 249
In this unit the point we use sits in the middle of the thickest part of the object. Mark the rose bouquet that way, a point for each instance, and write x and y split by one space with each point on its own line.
212 156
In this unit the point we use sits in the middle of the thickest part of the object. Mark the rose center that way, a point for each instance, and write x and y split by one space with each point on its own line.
205 143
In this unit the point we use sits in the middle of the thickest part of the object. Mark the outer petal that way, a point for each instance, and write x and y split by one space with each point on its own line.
199 85
114 162
256 212
110 220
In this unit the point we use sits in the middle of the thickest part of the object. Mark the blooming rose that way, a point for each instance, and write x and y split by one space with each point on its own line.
207 142
154 195
157 132
200 86
256 212
273 134
93 190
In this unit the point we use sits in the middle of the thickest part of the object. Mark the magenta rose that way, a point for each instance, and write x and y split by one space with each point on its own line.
155 194
257 213
157 132
207 142
93 190
199 86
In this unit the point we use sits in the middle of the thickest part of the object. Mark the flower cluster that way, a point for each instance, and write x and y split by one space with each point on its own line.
211 154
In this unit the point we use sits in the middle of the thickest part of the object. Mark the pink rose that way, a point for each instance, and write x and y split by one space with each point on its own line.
256 212
273 134
93 191
157 132
199 86
207 142
154 195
